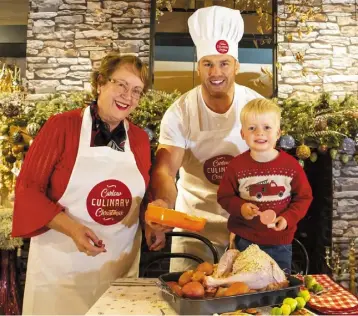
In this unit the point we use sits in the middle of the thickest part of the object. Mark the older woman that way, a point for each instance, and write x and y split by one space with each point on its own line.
79 195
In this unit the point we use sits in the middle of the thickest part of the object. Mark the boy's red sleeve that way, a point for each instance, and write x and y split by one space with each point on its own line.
228 195
301 198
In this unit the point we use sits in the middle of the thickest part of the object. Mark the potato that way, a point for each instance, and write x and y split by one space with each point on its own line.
220 292
210 292
193 290
175 287
205 267
251 311
198 276
237 288
185 277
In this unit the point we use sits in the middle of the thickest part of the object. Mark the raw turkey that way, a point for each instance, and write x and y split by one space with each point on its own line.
252 266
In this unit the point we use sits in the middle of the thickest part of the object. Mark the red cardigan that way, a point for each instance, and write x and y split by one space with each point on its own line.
47 168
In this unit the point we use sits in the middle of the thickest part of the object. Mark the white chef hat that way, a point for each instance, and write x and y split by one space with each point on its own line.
216 30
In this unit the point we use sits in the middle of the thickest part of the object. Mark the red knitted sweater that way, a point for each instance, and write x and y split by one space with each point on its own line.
280 185
47 168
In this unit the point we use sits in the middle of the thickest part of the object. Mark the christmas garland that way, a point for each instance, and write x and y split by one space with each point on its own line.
319 126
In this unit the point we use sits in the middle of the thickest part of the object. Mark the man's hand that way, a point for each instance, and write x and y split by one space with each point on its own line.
157 227
160 203
155 240
249 211
85 240
280 224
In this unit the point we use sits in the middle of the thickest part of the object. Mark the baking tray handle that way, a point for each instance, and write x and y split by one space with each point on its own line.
164 288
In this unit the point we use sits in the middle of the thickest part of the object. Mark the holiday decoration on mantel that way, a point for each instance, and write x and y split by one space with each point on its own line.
322 125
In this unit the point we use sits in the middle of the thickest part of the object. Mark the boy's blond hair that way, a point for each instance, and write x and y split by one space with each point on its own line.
260 106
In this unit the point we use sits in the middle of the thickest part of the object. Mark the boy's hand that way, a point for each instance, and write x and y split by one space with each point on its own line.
280 224
249 211
232 241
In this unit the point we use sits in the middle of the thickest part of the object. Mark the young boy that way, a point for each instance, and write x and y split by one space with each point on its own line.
264 178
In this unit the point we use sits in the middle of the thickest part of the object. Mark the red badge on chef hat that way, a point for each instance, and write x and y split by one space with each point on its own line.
222 46
215 167
109 202
216 30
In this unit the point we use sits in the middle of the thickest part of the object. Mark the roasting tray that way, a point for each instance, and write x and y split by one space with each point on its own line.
210 306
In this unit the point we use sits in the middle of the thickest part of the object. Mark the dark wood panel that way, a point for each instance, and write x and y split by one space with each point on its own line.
13 50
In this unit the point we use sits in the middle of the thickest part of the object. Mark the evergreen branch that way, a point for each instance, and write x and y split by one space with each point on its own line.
325 133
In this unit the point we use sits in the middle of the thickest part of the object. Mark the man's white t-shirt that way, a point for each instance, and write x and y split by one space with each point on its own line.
175 125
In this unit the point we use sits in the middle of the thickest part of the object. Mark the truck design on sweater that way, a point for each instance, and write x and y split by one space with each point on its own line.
265 188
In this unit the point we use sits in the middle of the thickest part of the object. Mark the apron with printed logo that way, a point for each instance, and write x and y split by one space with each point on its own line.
205 161
104 193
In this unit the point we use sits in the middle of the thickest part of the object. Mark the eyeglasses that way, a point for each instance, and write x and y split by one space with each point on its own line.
122 87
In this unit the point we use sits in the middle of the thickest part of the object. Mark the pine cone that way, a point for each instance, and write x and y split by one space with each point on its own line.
10 159
11 111
320 124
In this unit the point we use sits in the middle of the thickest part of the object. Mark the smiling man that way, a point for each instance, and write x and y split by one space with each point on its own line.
200 132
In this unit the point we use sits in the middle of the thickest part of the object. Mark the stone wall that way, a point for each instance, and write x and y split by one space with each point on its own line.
66 38
330 51
345 209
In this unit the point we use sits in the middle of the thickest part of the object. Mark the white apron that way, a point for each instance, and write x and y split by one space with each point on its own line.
104 193
205 161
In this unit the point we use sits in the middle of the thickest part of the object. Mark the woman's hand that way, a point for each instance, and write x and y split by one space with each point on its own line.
84 238
249 211
155 240
87 241
157 227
